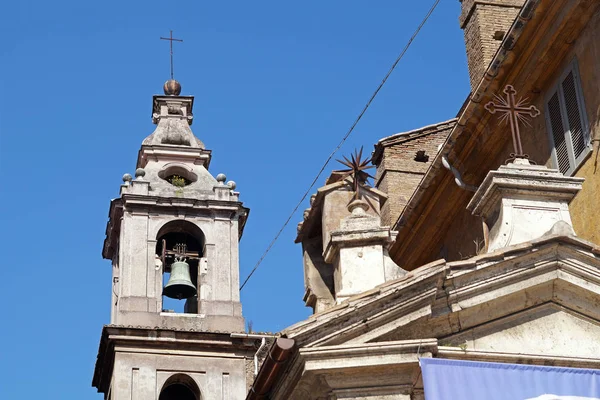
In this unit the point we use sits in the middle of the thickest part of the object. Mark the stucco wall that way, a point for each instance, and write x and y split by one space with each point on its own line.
584 207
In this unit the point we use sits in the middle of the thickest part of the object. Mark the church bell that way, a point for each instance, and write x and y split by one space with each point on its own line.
180 284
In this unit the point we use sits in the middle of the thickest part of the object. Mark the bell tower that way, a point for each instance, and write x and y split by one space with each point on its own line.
176 325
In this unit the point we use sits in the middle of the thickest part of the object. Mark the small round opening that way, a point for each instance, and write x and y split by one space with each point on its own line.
178 175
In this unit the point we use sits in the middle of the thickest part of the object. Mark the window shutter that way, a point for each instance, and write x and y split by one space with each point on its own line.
558 133
566 121
573 115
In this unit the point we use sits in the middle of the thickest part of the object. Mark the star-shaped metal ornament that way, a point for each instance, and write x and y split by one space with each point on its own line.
357 171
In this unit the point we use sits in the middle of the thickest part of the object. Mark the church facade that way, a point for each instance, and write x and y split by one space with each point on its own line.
496 248
465 248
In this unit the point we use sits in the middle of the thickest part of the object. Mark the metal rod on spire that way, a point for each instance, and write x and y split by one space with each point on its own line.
171 40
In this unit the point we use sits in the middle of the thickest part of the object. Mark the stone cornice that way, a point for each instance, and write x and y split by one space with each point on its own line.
357 352
522 180
112 226
158 340
194 155
376 306
516 358
359 237
389 366
145 204
442 289
355 344
133 201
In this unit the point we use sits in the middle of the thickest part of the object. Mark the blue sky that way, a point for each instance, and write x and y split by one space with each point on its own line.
277 85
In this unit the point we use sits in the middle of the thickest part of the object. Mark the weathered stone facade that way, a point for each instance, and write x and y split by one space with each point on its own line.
175 212
344 243
485 22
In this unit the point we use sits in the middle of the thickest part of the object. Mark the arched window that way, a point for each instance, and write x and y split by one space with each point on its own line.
173 237
180 387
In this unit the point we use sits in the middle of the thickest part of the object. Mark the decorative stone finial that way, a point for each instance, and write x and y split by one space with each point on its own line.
140 173
127 178
172 88
232 185
221 178
358 207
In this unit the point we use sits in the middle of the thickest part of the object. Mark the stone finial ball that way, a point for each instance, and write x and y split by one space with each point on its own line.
232 185
221 178
140 173
127 178
172 87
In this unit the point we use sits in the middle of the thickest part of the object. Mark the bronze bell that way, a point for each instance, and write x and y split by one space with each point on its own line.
180 284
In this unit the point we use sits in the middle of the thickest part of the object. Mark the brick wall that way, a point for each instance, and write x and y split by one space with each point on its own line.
483 22
398 172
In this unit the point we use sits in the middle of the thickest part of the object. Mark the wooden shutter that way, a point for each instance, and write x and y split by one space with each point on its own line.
566 122
558 133
575 123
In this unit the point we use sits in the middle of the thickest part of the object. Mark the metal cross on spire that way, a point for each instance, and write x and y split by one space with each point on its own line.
513 112
171 39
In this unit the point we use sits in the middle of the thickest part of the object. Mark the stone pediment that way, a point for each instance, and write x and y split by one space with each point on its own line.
532 303
548 330
554 279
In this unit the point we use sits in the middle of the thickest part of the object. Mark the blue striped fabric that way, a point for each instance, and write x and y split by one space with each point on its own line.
462 380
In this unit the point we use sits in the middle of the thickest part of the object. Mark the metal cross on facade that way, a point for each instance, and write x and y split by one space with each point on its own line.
513 112
171 39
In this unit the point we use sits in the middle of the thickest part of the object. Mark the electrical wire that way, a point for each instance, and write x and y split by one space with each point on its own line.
364 110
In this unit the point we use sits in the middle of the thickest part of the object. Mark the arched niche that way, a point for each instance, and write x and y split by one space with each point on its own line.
180 387
181 230
169 236
170 170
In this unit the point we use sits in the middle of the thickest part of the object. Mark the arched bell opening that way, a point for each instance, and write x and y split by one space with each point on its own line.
180 387
180 246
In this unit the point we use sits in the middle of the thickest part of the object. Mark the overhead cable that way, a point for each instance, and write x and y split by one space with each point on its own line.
364 110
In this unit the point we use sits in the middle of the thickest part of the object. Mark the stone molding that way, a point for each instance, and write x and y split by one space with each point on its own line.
116 339
520 202
442 289
359 369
